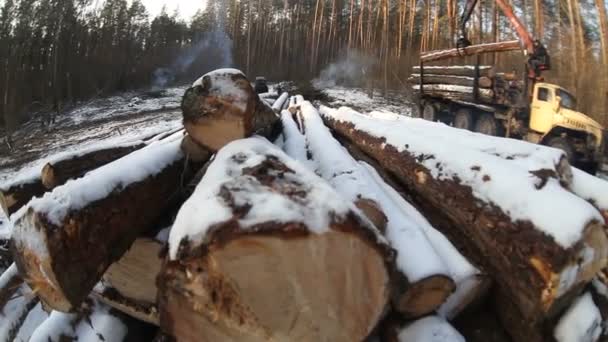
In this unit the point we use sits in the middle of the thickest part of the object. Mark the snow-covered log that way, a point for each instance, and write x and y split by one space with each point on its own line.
484 82
13 197
279 104
16 300
582 322
58 173
221 107
592 189
422 282
266 250
456 70
470 50
538 254
427 329
64 241
456 91
471 284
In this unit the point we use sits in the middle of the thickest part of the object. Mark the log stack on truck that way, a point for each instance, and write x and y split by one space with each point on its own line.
482 99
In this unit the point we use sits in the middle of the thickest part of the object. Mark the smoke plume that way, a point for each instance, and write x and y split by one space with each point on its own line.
351 70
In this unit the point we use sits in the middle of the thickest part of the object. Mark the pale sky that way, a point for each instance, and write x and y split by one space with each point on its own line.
187 8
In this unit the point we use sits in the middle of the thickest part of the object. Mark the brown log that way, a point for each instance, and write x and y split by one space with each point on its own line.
194 151
143 311
456 91
222 107
16 196
134 275
484 82
524 261
63 245
456 70
58 173
270 278
470 50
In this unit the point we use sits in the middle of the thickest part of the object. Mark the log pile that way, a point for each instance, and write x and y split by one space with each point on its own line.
348 228
467 84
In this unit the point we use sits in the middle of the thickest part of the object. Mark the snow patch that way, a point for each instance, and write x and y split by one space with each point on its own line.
430 329
582 322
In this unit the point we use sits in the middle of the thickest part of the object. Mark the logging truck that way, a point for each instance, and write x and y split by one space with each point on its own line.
478 98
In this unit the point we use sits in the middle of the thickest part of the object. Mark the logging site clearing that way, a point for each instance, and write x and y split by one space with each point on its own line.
213 212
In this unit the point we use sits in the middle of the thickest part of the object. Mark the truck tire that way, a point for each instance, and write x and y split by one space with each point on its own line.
429 112
464 119
564 145
488 125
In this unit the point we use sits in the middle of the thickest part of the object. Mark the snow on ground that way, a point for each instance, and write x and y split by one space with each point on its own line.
493 179
359 99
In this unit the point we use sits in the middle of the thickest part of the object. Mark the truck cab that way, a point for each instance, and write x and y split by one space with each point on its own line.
555 121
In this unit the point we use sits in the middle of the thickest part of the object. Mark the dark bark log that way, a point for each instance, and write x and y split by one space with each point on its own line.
525 262
73 249
462 70
223 107
471 50
241 283
484 82
456 92
58 173
15 197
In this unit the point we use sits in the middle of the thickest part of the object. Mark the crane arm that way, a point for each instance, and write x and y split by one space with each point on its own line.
538 58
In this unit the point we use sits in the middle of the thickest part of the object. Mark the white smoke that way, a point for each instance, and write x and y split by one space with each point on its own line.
352 70
213 50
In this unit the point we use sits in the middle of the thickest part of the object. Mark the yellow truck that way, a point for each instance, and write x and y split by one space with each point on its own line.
524 106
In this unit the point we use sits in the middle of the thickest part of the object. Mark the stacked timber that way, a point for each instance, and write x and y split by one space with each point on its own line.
492 206
466 84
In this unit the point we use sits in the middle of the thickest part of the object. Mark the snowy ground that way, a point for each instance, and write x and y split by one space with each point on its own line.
361 100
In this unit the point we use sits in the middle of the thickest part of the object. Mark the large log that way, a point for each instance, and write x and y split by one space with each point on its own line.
484 82
456 70
470 50
221 107
461 92
419 288
539 258
266 250
13 197
64 241
58 173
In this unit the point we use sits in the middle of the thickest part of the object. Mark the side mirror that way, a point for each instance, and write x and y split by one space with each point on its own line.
558 104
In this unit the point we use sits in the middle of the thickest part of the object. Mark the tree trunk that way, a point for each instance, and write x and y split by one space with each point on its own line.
58 173
222 107
524 261
87 224
247 276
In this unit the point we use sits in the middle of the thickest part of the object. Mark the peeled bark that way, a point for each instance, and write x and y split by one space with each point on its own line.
222 107
248 276
527 263
63 243
56 174
16 196
471 50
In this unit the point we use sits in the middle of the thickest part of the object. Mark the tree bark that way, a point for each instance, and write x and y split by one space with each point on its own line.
16 196
86 225
209 290
223 107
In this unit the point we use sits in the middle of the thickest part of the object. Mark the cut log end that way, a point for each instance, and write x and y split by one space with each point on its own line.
48 176
314 286
373 212
425 296
214 134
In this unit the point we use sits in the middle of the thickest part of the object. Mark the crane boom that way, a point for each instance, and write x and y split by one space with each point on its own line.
538 58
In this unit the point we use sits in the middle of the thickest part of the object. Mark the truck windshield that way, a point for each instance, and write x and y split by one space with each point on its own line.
568 100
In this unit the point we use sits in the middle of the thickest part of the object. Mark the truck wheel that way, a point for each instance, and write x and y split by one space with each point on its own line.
487 124
429 112
464 119
564 145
